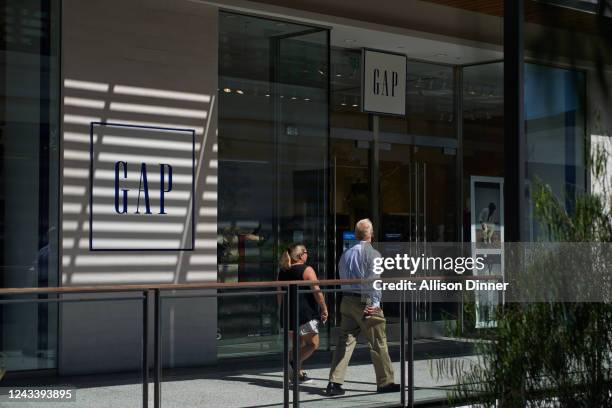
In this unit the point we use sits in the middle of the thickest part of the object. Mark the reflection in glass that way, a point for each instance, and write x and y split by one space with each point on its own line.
414 198
483 129
29 159
273 87
555 132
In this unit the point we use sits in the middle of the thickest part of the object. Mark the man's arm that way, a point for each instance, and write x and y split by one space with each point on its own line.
375 295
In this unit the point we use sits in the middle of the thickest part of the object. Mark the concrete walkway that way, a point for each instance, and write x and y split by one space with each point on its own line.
255 383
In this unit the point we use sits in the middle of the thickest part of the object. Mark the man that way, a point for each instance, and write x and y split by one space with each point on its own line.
361 313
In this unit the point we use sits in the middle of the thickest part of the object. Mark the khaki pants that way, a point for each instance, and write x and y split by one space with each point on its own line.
353 323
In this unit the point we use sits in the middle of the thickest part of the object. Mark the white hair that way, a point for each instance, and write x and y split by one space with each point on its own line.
364 229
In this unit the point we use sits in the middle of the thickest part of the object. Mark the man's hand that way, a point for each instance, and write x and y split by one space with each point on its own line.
370 310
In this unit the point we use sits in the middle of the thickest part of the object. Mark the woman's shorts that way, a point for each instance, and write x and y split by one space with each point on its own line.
309 327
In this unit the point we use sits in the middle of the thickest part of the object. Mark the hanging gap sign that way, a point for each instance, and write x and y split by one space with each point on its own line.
383 87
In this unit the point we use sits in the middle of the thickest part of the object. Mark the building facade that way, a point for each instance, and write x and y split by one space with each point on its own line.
192 141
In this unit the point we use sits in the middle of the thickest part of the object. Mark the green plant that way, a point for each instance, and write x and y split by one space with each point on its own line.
549 353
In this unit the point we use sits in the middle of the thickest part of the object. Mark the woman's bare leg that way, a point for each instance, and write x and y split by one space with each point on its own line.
310 343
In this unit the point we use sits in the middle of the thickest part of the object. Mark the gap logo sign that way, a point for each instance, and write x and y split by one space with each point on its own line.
383 86
142 188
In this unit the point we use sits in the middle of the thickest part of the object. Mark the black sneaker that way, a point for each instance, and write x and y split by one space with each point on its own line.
304 378
334 389
389 388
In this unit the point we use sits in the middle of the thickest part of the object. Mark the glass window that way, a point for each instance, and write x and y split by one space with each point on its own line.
273 132
29 160
483 129
430 100
350 140
555 132
417 168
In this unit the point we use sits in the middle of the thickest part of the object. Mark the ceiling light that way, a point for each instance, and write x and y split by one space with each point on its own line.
267 95
293 98
339 75
354 105
349 40
343 104
321 72
240 91
306 99
227 90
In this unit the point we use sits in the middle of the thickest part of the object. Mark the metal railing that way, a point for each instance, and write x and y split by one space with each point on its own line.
290 290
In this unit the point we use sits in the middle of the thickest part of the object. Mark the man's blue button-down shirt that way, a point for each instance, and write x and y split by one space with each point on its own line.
358 263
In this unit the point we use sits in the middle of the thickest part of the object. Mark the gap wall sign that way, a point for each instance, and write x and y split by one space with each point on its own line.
141 188
383 87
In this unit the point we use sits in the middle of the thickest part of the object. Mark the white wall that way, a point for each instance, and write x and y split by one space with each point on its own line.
599 92
166 51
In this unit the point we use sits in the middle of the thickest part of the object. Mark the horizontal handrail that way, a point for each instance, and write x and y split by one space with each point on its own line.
151 295
219 285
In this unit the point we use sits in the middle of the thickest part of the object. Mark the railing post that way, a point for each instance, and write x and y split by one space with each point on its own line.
145 348
294 309
158 351
403 349
285 317
410 350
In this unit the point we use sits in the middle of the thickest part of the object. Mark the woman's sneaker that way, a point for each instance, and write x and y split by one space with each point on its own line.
304 378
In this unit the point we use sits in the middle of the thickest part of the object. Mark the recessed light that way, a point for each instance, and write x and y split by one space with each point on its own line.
240 91
343 104
354 105
267 95
293 98
338 75
321 72
349 40
282 96
306 99
227 90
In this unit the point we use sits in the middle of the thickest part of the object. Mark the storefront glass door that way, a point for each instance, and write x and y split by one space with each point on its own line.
399 172
273 134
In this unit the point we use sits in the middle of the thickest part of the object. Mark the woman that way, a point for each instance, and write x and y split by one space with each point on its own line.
292 268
